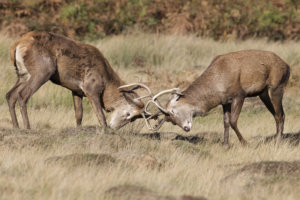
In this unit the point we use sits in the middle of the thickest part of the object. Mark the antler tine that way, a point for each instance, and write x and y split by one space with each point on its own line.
177 90
162 109
140 85
151 116
146 106
156 102
147 122
143 97
149 125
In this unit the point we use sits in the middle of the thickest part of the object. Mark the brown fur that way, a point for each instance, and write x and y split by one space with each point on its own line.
232 77
76 66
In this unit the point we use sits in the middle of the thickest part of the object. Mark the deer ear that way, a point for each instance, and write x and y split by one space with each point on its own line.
129 89
125 90
175 97
178 93
133 101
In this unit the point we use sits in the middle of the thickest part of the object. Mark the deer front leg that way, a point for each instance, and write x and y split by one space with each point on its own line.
95 101
236 108
93 87
226 112
276 99
77 100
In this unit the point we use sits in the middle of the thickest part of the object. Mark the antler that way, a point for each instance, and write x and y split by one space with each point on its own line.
153 100
141 85
156 102
152 116
137 86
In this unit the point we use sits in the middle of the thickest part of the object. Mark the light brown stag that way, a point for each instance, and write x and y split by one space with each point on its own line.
41 56
228 80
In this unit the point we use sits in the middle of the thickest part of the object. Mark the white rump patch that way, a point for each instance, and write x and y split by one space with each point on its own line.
22 70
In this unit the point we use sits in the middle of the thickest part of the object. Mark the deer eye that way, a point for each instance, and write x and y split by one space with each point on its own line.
128 114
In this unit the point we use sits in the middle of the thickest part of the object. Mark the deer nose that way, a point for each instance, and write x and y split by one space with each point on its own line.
186 129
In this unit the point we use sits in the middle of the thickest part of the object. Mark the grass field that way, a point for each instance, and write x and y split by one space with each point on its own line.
55 160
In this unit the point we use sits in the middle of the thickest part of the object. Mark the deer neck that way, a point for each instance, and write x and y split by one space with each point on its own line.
202 98
112 97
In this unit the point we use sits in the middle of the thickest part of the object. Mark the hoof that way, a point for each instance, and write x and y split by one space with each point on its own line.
226 146
244 143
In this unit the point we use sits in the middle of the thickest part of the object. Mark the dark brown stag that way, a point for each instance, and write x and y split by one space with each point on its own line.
228 80
41 56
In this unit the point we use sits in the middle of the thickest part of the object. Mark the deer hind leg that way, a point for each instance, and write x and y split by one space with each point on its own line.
11 97
30 87
265 98
275 98
226 112
77 99
236 108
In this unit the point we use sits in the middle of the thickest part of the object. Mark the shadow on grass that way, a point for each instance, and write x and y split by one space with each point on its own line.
82 129
291 138
194 139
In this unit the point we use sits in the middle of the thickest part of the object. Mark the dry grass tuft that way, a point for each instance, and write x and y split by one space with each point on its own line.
273 168
265 173
133 192
135 159
75 160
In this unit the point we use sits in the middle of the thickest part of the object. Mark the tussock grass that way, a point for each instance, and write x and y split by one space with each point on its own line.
192 164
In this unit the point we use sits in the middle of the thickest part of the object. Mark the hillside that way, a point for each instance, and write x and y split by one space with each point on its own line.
91 19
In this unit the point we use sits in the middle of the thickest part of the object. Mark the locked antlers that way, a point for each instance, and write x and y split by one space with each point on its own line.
146 115
162 110
154 99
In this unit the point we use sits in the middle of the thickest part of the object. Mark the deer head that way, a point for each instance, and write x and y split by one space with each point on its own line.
131 107
177 110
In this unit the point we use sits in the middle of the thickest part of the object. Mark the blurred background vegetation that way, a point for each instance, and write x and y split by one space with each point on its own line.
93 19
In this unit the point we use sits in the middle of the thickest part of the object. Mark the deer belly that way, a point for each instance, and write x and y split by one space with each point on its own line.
68 81
254 88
